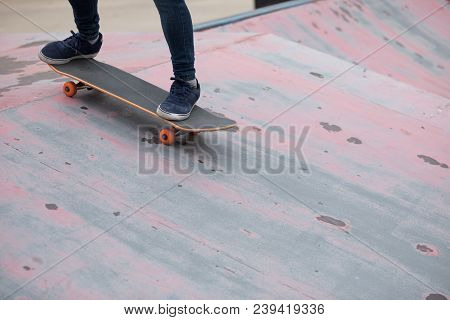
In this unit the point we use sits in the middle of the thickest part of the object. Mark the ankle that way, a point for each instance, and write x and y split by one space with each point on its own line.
93 40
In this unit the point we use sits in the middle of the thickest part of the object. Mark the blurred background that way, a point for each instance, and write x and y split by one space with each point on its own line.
116 15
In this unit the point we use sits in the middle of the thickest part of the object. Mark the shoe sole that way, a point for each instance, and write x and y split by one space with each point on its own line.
171 116
48 60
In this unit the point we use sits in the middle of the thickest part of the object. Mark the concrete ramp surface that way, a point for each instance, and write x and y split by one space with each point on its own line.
403 39
361 213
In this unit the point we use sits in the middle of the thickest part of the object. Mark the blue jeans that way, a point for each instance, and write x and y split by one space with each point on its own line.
176 23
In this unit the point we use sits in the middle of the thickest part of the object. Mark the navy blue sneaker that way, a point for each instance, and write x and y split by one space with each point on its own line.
180 102
74 47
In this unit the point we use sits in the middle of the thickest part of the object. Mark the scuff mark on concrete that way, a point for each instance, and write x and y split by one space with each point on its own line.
318 75
354 140
427 249
51 206
432 161
330 127
331 220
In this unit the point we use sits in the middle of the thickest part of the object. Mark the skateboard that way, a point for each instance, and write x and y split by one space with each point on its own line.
92 74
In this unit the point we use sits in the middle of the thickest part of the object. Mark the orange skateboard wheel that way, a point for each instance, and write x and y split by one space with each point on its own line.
167 136
70 88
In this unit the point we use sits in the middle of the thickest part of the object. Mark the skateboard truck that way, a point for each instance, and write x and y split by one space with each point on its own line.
168 136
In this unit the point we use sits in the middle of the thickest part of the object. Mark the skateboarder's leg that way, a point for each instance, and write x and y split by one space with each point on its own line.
177 26
85 44
185 91
86 17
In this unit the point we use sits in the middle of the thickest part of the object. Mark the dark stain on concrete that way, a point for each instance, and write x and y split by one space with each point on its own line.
330 127
51 206
30 79
424 248
332 221
117 213
251 98
10 65
26 268
318 75
339 29
432 161
67 163
436 296
34 44
428 160
354 140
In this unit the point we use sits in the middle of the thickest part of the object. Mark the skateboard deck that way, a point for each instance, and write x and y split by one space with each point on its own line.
92 74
